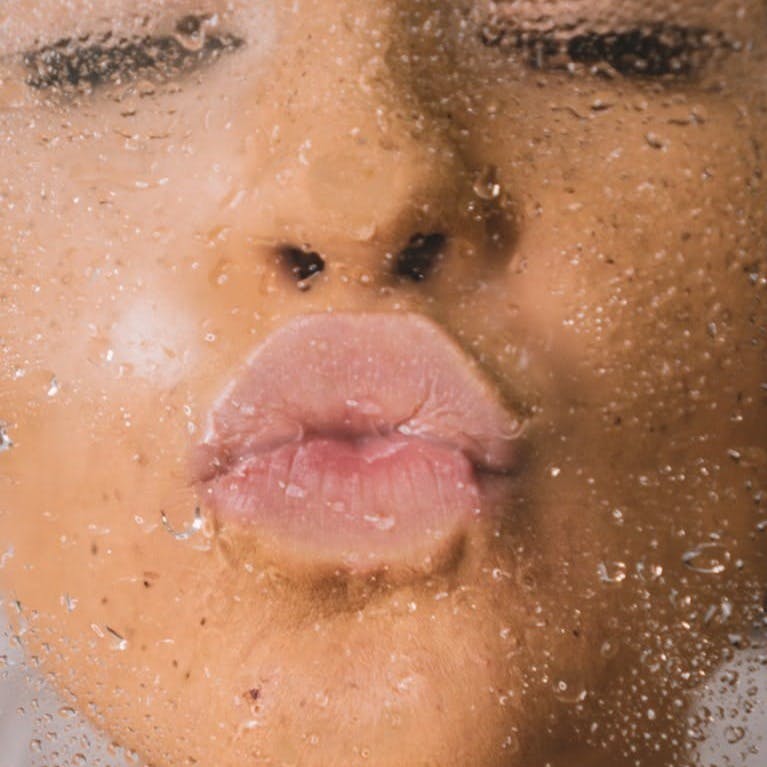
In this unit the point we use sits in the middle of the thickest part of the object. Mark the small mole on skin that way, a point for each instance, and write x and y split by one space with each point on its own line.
254 693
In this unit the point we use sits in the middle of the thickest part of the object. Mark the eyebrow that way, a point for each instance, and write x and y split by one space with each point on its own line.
651 49
68 63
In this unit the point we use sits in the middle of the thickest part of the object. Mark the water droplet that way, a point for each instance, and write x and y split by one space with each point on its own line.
654 140
611 572
609 649
366 407
118 642
6 443
69 602
486 185
602 101
53 387
219 275
708 558
248 724
380 523
191 31
184 535
734 734
568 694
7 555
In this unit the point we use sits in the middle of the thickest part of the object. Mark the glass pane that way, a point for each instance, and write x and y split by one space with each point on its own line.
383 383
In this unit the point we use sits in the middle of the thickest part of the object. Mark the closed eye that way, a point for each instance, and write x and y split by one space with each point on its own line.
640 51
71 64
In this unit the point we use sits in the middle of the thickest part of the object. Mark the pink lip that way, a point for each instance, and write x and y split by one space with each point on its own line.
356 440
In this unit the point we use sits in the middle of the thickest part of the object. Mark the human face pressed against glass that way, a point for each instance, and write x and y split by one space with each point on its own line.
544 220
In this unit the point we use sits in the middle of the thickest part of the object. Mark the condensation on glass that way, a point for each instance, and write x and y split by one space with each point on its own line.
383 383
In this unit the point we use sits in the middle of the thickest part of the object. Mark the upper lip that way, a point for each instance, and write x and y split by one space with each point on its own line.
352 376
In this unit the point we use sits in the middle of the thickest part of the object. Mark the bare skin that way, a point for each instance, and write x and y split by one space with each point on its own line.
604 265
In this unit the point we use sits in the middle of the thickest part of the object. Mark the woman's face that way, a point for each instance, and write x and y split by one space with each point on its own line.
447 316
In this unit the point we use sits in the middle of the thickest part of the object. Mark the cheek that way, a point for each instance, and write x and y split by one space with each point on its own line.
634 217
101 337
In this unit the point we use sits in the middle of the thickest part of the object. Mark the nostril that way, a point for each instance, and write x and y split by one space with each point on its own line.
417 259
301 262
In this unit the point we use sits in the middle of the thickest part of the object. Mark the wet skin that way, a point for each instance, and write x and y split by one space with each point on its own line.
612 287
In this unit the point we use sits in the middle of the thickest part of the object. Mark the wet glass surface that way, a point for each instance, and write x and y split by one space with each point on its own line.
383 383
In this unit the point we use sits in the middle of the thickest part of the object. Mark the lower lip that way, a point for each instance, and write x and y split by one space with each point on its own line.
363 504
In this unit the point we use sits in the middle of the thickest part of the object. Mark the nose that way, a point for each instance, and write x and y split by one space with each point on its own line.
343 154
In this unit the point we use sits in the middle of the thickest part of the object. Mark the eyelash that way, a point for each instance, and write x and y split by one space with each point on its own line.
68 64
652 50
643 51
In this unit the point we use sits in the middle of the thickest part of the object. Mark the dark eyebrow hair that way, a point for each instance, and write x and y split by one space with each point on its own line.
651 49
69 63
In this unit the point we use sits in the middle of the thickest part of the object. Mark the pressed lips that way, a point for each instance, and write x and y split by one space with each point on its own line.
355 440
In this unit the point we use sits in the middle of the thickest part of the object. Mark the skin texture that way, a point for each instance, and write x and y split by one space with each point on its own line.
613 288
